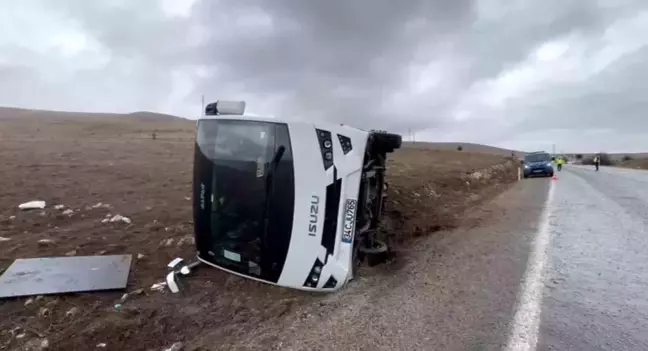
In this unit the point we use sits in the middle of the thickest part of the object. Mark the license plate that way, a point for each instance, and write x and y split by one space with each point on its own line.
349 220
537 171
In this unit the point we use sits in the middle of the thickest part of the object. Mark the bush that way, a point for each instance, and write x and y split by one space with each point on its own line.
459 148
627 158
579 156
606 160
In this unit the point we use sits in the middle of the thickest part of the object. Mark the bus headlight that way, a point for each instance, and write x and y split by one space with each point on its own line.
314 275
326 147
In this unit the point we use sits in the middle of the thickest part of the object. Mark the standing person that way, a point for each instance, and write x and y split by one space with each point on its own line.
559 162
597 161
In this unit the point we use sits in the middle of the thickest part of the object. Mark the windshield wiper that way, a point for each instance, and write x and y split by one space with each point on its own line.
269 191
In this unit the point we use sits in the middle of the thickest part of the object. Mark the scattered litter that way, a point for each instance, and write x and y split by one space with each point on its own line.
2 238
39 297
186 240
99 204
158 286
187 198
105 220
68 212
138 292
44 311
102 252
120 218
140 256
59 207
175 262
477 175
101 345
21 336
15 330
71 253
169 242
29 302
36 344
117 305
72 311
124 297
185 270
175 347
31 205
45 242
170 279
12 217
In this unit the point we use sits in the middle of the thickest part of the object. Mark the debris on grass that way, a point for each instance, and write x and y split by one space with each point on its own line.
45 242
44 311
120 218
175 347
187 239
59 207
32 205
158 286
37 344
2 238
176 261
72 311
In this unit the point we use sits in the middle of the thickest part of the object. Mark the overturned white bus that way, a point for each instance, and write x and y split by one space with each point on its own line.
290 203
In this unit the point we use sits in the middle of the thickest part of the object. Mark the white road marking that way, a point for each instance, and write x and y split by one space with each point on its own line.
526 322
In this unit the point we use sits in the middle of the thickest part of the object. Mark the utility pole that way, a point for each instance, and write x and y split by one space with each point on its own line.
202 106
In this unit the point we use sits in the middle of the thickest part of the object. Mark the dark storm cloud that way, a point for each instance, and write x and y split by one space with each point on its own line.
335 58
342 60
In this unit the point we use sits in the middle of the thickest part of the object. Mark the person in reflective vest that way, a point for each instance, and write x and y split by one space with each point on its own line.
559 163
597 161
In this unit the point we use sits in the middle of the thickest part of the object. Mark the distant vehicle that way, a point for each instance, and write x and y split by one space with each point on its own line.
291 203
537 164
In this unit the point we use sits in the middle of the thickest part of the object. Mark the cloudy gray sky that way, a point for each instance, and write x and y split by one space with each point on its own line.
515 73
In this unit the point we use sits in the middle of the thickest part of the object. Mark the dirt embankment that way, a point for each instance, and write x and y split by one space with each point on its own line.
81 166
430 190
636 163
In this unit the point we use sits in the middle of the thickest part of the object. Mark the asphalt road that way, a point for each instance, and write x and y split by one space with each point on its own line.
549 265
595 294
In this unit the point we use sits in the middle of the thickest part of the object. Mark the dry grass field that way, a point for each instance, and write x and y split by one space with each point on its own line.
106 164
